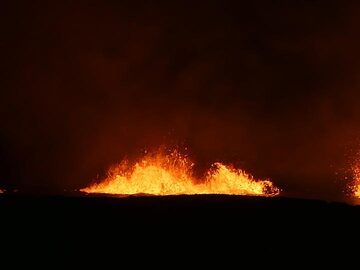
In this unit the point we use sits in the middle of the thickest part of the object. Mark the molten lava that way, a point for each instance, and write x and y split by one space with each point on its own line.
356 187
224 179
357 191
171 174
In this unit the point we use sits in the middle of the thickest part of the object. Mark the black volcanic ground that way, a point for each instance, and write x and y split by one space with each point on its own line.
91 224
157 209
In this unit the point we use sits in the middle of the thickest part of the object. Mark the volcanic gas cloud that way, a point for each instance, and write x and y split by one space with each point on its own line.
171 173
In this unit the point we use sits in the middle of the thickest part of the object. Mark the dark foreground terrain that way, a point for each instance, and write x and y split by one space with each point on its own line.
213 223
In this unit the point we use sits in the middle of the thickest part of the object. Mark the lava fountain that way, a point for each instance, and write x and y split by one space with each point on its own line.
170 173
356 186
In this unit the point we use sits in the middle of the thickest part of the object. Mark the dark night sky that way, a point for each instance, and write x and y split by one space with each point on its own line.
271 86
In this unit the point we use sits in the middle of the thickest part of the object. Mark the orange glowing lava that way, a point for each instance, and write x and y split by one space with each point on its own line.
356 188
171 174
357 191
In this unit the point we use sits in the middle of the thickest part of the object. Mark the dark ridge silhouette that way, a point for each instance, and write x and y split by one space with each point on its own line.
98 227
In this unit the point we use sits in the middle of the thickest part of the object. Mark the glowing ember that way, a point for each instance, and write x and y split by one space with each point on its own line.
356 187
171 174
357 191
1 191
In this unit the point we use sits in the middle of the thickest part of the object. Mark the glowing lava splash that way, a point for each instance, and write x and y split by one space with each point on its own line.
171 174
356 188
